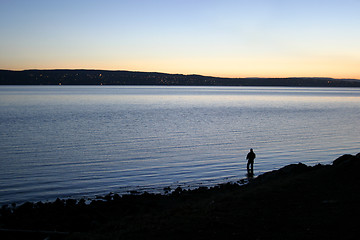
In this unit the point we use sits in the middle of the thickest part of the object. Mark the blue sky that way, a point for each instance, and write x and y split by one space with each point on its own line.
221 38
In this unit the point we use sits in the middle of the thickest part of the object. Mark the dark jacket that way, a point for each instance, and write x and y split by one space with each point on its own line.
251 156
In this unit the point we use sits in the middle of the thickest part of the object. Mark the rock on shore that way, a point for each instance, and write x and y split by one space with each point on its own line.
294 202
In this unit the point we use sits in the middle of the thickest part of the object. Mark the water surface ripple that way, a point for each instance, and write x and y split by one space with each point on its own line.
75 141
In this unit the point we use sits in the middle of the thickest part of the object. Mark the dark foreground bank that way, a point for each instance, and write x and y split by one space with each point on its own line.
295 202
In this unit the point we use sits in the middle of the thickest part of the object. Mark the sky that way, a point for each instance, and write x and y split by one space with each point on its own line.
226 38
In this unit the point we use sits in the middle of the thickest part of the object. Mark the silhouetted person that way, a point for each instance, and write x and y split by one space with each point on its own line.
250 157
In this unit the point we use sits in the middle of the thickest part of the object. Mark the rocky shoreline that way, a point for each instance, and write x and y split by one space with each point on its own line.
294 202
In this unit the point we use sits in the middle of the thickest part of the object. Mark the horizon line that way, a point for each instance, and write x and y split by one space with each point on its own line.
140 71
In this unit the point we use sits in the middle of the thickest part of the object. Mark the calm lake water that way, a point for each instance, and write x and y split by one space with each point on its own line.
75 141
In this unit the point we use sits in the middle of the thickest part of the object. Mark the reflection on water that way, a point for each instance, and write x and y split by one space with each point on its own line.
86 140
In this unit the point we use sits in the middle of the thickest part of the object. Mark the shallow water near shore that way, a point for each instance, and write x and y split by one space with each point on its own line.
75 141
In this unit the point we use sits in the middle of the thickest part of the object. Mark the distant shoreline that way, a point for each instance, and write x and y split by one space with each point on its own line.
108 77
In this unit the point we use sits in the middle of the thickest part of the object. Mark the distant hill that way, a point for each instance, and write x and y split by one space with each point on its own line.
106 77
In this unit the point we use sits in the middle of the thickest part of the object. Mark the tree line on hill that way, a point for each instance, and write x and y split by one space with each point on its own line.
107 77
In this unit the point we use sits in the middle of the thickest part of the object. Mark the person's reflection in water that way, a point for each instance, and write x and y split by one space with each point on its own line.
250 164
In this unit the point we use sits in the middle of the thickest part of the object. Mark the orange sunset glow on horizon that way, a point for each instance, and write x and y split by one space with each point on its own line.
212 38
